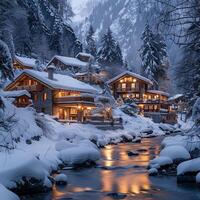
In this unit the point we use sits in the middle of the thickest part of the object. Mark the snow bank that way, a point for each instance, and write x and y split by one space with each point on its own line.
31 168
80 154
198 178
6 194
175 152
189 166
161 161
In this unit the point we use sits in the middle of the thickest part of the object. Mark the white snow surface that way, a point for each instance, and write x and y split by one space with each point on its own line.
161 161
198 178
131 74
71 61
61 177
5 194
15 93
189 166
29 62
61 81
175 152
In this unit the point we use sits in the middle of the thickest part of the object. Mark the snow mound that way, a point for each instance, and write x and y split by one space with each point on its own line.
80 154
31 168
152 171
161 161
198 178
7 195
175 140
63 144
61 179
189 166
175 152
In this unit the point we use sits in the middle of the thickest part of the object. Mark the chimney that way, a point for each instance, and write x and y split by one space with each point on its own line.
50 71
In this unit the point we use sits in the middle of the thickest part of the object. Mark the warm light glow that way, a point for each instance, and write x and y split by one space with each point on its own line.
79 107
134 80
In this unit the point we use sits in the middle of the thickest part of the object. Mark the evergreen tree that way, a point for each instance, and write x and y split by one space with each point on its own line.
153 53
90 42
109 52
119 56
6 68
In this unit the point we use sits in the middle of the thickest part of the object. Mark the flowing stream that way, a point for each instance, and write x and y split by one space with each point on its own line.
119 173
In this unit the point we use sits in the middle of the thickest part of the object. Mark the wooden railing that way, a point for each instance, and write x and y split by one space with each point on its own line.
74 99
29 87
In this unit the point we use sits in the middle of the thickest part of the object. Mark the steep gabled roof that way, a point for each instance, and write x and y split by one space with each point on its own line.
131 74
63 82
69 61
28 62
158 92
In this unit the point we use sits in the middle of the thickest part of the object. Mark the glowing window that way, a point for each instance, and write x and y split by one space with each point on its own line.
133 85
73 111
123 85
45 96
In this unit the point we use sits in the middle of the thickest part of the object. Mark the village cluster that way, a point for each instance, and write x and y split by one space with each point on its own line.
75 90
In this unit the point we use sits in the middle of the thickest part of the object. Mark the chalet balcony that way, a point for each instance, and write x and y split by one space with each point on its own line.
74 99
29 87
128 90
151 101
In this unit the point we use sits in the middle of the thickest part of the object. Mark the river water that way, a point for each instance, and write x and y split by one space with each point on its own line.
119 173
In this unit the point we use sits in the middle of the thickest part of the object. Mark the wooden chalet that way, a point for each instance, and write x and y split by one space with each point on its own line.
22 63
70 64
129 85
59 95
20 98
89 77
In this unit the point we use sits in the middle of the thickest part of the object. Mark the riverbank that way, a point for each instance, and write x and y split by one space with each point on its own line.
38 140
118 173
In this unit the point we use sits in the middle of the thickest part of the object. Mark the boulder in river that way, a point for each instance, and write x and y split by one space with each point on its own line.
116 195
61 179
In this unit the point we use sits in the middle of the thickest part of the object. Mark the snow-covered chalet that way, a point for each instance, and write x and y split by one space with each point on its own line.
59 95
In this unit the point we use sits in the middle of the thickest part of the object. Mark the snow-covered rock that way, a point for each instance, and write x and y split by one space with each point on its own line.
79 154
198 178
5 194
63 144
61 179
176 153
152 171
161 161
189 166
29 175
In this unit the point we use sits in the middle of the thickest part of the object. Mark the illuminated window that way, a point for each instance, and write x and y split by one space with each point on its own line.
73 111
130 79
137 95
35 97
133 85
149 96
123 85
44 96
155 107
29 82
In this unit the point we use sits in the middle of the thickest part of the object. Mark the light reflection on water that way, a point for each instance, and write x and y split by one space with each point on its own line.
118 172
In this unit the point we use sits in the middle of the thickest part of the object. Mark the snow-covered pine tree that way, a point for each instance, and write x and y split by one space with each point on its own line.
6 68
119 56
90 46
109 52
153 54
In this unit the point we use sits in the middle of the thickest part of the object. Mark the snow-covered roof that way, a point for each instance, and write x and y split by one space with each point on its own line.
69 61
84 54
131 74
15 93
29 62
175 97
158 92
60 81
